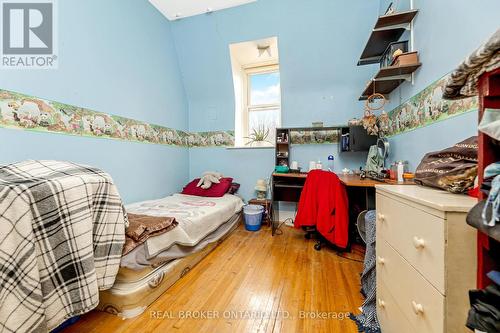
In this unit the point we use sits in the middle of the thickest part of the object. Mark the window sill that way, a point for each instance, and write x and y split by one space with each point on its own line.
249 147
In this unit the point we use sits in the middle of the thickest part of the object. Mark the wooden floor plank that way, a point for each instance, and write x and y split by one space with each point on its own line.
254 283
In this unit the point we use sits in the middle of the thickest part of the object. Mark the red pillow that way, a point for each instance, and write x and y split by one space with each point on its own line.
215 191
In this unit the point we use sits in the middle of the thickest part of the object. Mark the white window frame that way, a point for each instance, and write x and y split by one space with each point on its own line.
247 108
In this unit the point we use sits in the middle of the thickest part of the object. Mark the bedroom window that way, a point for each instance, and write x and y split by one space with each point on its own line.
263 111
257 90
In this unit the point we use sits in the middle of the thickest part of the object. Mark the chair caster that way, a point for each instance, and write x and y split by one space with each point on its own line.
317 246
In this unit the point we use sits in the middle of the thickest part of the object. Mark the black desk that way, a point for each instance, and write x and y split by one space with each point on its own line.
288 187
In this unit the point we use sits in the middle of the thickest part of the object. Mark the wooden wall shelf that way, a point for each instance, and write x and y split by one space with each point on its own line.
388 29
387 79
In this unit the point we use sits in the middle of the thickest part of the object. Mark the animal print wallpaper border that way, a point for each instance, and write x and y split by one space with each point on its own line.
423 109
25 112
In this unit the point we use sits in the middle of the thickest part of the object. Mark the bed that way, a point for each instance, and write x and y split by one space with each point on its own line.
150 269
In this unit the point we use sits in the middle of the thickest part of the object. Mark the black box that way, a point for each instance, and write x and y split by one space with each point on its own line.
387 58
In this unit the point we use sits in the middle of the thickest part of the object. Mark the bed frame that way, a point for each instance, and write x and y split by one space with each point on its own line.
134 291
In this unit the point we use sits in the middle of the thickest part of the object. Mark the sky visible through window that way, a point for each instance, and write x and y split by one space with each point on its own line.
265 89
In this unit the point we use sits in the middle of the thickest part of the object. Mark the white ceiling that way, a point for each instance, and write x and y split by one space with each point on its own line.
177 9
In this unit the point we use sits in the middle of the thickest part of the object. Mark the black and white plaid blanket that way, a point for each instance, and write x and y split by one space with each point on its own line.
62 228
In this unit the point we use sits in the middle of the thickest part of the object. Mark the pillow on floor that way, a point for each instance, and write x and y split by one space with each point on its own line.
216 190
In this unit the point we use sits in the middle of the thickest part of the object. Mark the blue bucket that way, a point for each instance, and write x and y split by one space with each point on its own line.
253 217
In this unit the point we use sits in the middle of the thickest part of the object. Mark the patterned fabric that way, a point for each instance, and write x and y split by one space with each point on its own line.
144 226
62 228
462 82
367 321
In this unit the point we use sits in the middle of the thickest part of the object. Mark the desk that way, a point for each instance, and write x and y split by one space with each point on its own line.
288 187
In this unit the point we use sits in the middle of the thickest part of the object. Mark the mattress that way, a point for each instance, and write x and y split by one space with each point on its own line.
197 217
137 259
135 290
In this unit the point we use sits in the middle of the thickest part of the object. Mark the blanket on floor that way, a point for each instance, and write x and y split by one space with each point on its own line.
62 229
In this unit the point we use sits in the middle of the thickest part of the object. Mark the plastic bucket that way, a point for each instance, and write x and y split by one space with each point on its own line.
253 217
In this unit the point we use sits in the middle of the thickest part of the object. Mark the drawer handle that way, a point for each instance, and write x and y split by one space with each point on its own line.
381 260
381 303
381 217
419 243
417 308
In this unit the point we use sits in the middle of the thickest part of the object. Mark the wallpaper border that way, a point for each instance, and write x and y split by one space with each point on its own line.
24 112
425 108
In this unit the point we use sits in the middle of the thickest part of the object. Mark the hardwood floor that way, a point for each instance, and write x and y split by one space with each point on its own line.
252 282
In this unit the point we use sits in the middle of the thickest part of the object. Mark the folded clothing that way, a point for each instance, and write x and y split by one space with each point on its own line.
484 314
141 227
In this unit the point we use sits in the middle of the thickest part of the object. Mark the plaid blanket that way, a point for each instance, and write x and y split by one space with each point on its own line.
62 228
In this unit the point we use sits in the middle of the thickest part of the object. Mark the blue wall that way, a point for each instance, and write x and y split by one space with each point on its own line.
319 44
117 57
445 32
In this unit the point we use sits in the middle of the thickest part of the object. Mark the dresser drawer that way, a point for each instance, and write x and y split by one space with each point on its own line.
417 235
418 300
390 315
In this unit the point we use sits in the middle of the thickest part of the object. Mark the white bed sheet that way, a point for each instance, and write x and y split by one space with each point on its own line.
197 217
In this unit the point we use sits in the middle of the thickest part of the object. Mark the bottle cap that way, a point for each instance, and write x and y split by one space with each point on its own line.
330 157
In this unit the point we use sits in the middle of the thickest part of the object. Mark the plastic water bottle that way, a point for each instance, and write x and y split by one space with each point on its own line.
330 163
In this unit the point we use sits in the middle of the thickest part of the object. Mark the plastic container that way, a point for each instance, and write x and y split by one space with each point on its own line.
330 163
253 217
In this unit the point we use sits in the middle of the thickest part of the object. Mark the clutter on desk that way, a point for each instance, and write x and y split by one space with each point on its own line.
281 169
330 164
453 169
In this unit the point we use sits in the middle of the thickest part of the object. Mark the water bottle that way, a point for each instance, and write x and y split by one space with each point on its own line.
330 163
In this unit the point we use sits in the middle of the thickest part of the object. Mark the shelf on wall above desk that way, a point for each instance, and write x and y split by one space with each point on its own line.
388 29
387 79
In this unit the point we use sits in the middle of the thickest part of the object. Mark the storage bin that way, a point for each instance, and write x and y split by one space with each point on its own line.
253 217
387 58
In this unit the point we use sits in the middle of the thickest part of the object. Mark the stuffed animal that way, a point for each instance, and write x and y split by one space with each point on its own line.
208 178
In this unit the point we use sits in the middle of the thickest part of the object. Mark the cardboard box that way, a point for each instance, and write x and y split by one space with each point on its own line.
408 58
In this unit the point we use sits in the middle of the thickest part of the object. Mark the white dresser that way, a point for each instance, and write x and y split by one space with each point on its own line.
426 259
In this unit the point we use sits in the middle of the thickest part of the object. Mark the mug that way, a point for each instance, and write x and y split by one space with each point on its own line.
294 165
312 165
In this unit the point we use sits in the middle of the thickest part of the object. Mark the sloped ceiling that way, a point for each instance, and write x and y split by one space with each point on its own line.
177 9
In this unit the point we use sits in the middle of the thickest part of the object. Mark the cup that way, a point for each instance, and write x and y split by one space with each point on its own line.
294 165
312 165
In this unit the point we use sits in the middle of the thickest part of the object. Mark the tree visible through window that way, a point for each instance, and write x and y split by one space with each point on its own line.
264 102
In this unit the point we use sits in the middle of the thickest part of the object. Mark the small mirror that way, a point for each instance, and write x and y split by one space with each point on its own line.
383 148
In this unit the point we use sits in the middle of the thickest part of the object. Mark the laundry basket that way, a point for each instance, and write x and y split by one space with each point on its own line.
253 217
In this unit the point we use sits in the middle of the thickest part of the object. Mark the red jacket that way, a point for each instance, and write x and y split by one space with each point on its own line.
323 203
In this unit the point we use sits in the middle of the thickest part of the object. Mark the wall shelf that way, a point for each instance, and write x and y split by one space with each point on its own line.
388 29
388 78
